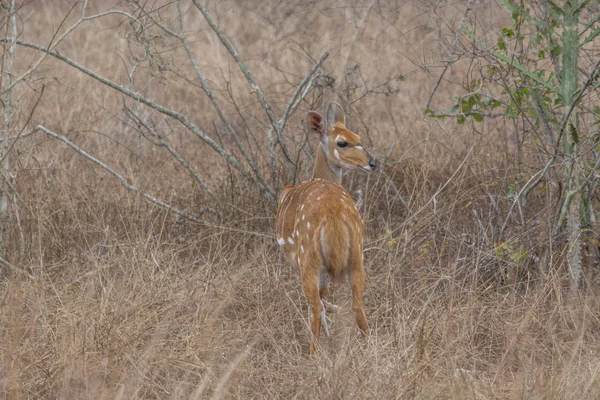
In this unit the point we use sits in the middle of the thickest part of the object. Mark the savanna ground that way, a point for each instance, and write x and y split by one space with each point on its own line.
111 296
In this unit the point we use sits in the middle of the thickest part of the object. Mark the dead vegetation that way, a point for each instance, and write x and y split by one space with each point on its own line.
122 299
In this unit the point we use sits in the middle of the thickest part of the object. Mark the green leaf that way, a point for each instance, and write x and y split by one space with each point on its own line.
507 32
518 12
460 119
555 10
452 109
429 113
555 51
511 112
501 44
573 133
511 62
591 36
541 54
477 117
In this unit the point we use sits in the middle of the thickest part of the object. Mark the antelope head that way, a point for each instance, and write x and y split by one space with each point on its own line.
340 147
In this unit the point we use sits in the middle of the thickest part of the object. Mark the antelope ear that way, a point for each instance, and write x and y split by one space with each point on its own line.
315 123
335 114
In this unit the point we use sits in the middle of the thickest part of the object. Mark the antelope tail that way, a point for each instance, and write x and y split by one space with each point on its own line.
334 240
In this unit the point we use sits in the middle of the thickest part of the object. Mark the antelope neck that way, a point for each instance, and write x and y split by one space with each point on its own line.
324 170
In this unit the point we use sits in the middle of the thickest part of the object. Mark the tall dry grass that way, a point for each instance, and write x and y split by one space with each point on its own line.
126 301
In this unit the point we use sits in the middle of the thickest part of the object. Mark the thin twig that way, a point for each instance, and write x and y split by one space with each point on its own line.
268 191
586 85
173 152
255 88
221 385
20 134
573 192
300 93
207 90
120 177
6 147
14 268
449 61
53 43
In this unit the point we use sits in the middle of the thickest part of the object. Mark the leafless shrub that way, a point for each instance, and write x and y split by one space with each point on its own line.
114 296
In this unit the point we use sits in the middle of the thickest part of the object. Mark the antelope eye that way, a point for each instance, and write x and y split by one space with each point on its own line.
342 144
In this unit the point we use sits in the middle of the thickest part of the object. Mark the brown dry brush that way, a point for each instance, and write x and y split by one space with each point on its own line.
123 299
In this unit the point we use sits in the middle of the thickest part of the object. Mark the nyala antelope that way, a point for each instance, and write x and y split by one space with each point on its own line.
318 225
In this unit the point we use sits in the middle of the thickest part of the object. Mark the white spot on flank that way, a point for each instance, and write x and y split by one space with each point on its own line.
281 241
303 217
296 233
298 260
336 153
308 225
302 249
290 240
302 207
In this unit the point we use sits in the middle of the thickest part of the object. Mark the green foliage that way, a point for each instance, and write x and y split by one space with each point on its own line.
512 251
540 76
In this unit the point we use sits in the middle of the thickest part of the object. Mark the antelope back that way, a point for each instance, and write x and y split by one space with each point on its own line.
317 226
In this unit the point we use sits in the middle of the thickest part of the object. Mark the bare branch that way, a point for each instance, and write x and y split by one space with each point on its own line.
299 94
53 43
14 139
591 79
14 268
120 177
569 195
173 152
206 88
230 158
449 61
6 147
300 91
255 88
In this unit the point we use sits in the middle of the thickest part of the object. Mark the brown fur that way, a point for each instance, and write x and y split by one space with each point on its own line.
318 225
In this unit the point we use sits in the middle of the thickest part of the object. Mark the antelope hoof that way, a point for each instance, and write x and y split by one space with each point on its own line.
324 322
330 307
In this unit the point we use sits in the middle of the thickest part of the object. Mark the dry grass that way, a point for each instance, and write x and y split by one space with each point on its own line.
140 305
